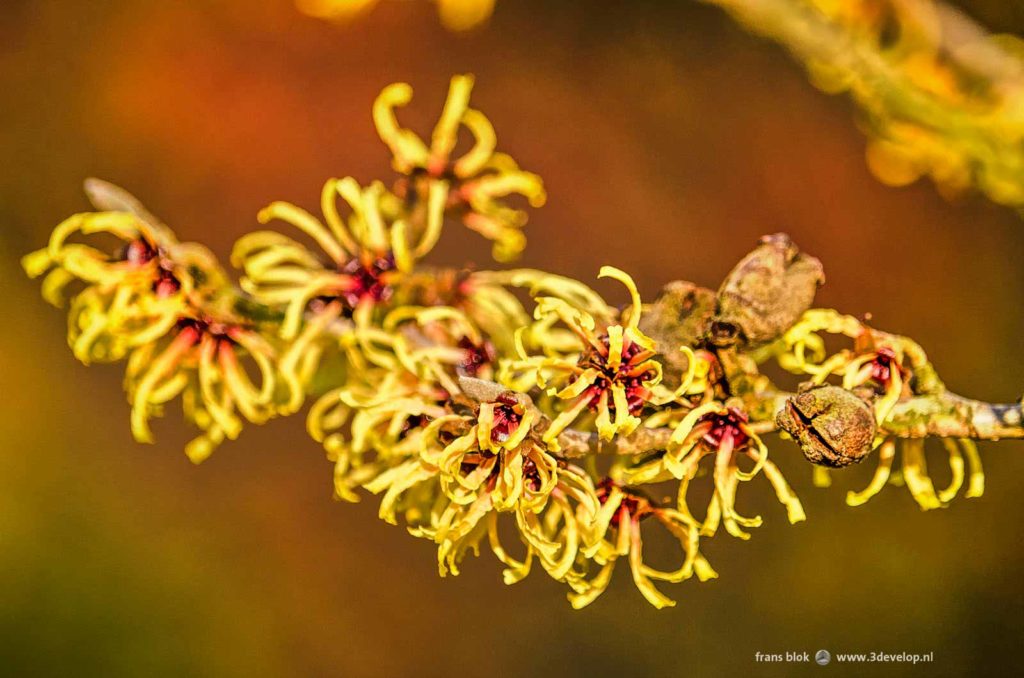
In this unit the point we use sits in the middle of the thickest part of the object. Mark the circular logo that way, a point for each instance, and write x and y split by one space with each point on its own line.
822 657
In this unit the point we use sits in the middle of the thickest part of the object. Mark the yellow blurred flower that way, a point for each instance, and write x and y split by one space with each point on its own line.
336 10
169 308
940 96
456 15
203 364
120 300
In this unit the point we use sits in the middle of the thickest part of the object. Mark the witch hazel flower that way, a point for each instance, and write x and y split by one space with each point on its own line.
616 534
610 377
476 184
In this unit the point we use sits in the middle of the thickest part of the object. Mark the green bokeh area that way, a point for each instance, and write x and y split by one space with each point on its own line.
670 141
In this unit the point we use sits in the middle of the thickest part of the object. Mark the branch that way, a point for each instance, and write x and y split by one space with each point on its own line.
957 136
944 415
948 415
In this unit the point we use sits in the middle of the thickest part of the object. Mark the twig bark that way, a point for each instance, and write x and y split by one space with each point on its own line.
944 415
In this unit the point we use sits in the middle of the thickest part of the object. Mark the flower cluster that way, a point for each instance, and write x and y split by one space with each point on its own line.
513 406
168 309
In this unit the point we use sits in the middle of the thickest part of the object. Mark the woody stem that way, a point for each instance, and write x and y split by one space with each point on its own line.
943 415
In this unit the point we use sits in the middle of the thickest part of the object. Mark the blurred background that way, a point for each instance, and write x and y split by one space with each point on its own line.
670 140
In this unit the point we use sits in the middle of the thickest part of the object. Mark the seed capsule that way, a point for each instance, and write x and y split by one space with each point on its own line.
766 293
681 316
834 427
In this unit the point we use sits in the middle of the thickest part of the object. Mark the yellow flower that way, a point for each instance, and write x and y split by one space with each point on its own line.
723 434
366 255
486 464
456 15
202 362
500 456
888 365
914 473
474 184
169 308
419 354
385 414
128 298
878 360
464 15
616 533
439 344
496 456
602 366
486 299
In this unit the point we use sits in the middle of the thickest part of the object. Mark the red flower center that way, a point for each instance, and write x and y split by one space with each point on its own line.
506 418
221 332
883 365
477 356
140 252
630 374
166 285
636 505
531 475
728 425
366 280
415 421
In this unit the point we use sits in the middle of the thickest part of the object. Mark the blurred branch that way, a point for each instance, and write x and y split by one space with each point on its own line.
940 95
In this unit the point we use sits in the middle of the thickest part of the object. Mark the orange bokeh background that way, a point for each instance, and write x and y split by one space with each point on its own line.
669 141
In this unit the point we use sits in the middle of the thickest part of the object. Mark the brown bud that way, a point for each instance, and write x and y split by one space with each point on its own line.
833 426
681 316
766 293
107 197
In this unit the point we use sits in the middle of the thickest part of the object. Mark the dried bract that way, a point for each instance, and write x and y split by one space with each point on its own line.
767 292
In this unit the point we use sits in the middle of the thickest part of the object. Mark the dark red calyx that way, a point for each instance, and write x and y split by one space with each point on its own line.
138 252
477 356
730 424
636 505
883 365
531 476
626 374
506 418
415 421
219 331
367 280
166 284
